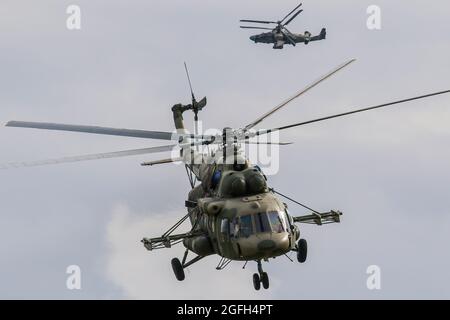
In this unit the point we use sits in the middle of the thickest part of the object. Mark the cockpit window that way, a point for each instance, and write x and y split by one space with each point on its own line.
262 223
275 222
246 226
271 221
241 227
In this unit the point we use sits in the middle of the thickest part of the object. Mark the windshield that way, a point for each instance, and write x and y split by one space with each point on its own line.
245 226
262 223
271 221
275 222
241 227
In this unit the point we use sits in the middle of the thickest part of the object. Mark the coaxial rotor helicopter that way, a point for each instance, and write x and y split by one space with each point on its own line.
280 35
231 208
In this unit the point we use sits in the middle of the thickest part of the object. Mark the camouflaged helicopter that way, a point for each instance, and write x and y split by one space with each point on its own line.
231 208
280 35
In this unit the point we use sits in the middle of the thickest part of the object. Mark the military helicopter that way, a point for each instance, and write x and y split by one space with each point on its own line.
280 35
232 211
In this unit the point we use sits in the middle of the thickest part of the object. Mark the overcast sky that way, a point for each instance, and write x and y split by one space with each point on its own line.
387 170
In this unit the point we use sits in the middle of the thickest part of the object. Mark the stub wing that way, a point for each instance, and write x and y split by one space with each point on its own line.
320 218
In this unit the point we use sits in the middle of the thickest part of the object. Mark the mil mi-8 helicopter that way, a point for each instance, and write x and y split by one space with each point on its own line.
280 35
233 212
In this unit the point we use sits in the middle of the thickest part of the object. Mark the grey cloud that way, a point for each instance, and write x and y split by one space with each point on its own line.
387 170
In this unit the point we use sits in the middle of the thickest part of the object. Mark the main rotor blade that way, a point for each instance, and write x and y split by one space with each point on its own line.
162 161
161 135
291 12
106 155
269 143
256 142
293 17
262 28
260 132
190 84
258 21
303 91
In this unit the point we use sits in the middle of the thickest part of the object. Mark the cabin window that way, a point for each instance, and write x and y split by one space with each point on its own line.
212 222
225 228
205 221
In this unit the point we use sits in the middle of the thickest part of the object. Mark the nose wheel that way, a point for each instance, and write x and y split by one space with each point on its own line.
302 250
260 278
256 281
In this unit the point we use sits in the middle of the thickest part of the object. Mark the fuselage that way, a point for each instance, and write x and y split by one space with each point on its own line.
277 38
255 227
235 214
240 223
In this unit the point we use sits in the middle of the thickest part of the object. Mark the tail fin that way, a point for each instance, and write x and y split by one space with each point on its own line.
323 33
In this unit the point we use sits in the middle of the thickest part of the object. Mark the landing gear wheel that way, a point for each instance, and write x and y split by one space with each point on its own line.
178 269
256 282
302 250
265 280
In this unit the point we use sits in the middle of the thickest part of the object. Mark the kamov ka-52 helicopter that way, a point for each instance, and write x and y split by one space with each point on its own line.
231 208
280 35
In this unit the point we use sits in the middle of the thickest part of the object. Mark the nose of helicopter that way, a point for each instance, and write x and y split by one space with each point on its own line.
253 38
266 245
